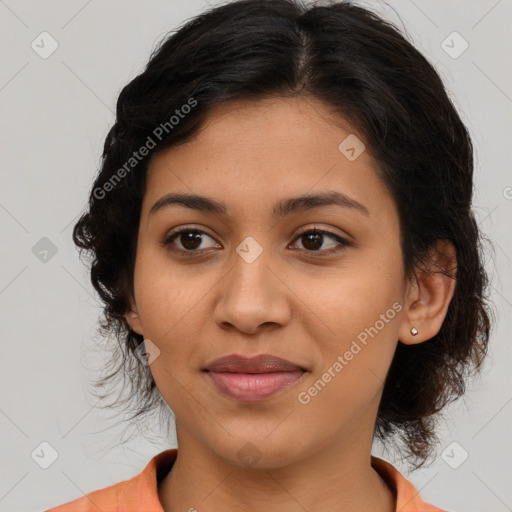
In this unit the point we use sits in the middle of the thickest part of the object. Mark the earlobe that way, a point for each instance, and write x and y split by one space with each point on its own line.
434 289
133 319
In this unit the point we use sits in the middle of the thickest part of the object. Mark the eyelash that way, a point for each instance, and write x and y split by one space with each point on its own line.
168 240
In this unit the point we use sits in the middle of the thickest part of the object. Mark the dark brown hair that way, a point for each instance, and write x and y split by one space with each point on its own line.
362 67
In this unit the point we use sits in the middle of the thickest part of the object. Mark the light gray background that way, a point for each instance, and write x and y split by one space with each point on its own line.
55 113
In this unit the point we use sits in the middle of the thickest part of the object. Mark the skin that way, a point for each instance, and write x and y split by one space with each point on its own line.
291 302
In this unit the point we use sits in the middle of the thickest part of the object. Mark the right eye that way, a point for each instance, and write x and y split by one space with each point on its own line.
189 238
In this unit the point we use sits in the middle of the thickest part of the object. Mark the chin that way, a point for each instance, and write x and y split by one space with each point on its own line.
259 452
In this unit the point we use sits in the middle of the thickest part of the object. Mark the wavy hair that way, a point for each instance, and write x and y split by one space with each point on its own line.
362 67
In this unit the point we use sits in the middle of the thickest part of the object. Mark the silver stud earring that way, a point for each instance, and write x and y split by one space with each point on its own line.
414 331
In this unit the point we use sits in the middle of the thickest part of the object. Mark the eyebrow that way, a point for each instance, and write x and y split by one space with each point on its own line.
281 209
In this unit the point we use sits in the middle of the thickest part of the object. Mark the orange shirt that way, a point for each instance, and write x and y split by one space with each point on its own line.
140 492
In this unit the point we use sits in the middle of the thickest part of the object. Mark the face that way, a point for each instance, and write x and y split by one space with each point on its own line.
321 287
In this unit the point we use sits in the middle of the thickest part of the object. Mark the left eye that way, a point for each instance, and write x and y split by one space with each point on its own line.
315 237
312 240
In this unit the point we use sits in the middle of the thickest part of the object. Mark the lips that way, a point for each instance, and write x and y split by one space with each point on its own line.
252 379
259 364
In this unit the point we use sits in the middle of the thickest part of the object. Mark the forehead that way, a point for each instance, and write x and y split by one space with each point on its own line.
262 150
271 126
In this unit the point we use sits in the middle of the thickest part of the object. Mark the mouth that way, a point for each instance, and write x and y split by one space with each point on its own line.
252 379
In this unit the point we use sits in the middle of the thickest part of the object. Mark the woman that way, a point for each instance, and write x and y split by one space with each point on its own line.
283 240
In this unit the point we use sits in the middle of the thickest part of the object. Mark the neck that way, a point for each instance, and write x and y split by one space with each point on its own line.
338 477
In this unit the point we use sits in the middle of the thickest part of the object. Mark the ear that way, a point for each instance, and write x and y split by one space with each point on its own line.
133 318
429 294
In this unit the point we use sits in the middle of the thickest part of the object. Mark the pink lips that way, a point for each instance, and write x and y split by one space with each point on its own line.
252 379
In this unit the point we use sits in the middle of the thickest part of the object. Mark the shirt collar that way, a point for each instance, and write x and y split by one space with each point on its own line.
144 486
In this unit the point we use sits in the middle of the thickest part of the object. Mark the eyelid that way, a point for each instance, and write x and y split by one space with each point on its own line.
341 239
344 241
326 230
178 230
187 227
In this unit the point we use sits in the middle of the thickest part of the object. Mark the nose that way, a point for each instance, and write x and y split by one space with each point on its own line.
253 297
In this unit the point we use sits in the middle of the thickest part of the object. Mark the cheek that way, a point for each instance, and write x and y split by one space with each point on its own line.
361 308
170 304
358 296
165 297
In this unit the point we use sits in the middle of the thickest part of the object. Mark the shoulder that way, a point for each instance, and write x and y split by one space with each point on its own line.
128 495
102 499
407 496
